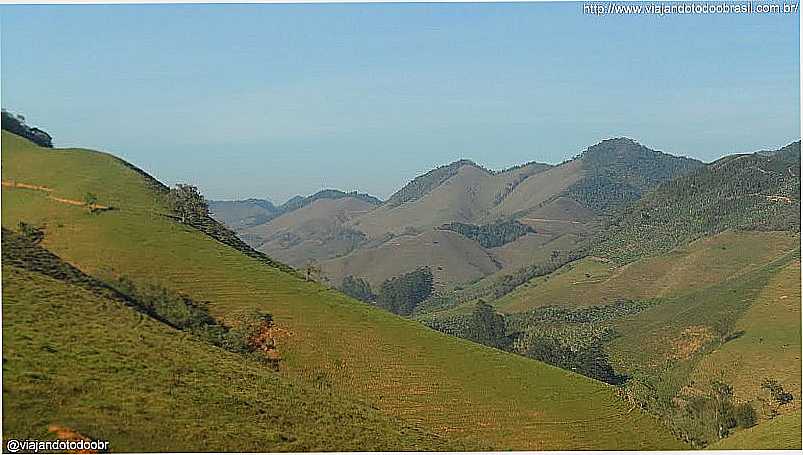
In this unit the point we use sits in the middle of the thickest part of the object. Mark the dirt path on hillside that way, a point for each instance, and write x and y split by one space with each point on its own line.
28 186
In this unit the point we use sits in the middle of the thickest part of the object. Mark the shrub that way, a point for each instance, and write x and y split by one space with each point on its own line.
777 392
31 233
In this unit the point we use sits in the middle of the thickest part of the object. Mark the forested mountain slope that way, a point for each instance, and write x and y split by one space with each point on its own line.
747 192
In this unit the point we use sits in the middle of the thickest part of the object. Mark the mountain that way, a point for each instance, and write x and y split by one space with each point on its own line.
693 286
297 202
452 257
350 374
605 176
748 192
562 204
461 191
245 213
316 230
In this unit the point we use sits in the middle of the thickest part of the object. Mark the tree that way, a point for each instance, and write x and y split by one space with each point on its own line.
487 327
358 288
90 201
778 396
16 124
188 203
402 294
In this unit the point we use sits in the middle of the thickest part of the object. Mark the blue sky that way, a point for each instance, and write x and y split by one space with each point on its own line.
276 100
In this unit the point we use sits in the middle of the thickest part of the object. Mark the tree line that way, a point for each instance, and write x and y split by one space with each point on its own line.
16 124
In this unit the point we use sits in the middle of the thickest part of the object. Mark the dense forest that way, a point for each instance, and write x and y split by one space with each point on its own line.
493 234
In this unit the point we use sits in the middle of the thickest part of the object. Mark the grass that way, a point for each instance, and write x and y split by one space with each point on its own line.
682 271
769 346
465 393
80 360
781 433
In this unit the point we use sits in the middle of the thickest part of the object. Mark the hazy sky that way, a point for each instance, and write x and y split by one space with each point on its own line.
275 100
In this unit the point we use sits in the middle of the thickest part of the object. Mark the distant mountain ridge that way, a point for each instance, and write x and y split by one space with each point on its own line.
245 213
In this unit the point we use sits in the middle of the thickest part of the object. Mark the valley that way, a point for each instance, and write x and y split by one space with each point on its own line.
533 313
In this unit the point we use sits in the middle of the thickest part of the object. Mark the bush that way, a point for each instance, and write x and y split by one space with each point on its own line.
31 233
251 332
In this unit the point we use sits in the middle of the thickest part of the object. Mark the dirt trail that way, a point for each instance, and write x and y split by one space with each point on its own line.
28 186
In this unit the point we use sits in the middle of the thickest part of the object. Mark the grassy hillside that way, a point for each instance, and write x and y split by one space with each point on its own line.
598 280
782 433
458 390
768 345
453 258
76 357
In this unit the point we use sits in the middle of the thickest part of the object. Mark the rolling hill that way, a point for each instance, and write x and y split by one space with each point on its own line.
78 359
373 368
695 282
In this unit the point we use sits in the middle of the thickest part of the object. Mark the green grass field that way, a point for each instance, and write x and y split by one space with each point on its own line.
682 271
77 360
463 392
780 433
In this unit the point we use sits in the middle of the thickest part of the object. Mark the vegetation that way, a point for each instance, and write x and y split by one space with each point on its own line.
358 288
487 327
620 170
402 294
780 433
590 360
31 233
339 352
188 203
708 418
744 192
16 124
491 235
778 397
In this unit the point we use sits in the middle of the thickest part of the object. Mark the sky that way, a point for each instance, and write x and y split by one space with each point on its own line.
271 101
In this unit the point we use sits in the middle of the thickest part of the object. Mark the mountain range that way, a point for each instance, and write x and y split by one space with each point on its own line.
623 299
350 234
